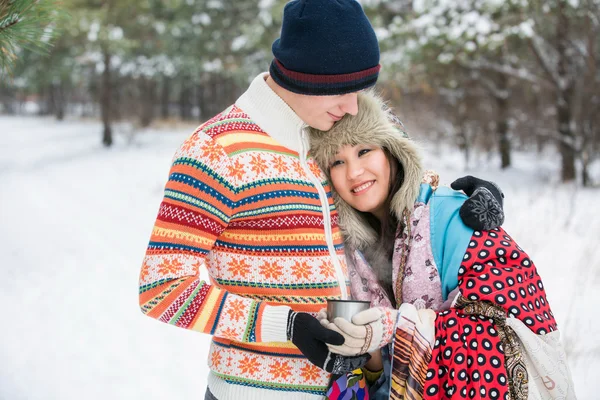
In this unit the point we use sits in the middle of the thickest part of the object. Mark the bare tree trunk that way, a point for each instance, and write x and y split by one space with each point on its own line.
7 99
105 99
463 134
585 175
502 123
540 140
504 140
203 99
225 90
214 95
148 93
565 98
45 100
122 103
58 100
164 98
184 101
591 104
567 151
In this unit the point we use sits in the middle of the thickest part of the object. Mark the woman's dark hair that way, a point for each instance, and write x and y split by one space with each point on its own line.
380 255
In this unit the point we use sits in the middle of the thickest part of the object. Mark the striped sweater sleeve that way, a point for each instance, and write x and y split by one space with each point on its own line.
199 200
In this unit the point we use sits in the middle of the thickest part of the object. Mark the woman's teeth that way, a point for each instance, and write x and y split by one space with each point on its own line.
362 187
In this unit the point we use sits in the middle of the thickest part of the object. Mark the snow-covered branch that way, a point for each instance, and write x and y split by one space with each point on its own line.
571 141
540 50
493 89
519 73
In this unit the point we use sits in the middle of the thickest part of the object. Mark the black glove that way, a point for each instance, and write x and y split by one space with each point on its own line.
311 337
482 211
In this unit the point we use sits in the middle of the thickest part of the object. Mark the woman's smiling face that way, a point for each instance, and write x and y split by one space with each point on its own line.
361 176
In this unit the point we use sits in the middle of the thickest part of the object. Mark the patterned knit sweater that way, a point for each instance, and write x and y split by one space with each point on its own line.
244 201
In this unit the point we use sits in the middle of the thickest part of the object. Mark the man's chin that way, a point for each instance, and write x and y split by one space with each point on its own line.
325 126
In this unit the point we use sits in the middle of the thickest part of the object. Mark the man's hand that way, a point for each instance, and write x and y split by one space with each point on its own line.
482 211
312 339
369 330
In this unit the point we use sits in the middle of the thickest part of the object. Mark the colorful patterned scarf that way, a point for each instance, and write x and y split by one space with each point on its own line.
413 344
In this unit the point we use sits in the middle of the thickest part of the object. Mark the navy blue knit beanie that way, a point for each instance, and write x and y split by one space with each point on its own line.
327 47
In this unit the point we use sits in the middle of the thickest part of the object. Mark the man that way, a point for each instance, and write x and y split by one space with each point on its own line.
245 201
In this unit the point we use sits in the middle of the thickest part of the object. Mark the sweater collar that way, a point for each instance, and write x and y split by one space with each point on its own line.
271 113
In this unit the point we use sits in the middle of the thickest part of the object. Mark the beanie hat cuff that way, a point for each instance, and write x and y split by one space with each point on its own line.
323 85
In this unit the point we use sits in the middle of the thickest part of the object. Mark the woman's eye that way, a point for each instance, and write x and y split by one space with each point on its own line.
363 152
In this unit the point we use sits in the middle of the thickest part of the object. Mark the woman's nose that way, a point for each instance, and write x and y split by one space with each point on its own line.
355 170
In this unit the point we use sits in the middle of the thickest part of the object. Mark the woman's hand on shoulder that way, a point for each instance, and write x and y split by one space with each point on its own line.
483 210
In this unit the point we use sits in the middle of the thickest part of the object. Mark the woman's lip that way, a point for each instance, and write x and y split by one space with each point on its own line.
362 190
334 117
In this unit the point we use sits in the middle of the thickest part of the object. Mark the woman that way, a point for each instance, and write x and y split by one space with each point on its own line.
458 306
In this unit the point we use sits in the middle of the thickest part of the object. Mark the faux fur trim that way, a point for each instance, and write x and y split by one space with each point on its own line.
374 124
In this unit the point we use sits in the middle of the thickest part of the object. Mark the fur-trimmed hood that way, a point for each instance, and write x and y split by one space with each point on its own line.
374 124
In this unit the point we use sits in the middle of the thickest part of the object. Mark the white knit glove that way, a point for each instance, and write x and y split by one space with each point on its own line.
322 315
369 330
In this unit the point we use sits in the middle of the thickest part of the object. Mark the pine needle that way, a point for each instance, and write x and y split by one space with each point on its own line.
26 25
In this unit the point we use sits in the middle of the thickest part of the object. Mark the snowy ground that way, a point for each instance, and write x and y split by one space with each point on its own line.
75 219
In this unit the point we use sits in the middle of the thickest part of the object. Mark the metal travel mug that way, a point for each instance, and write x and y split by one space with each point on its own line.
345 308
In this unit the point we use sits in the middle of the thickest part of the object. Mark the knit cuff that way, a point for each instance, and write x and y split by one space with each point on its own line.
273 325
323 85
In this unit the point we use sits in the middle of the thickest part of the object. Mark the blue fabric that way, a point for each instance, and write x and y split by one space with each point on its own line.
450 237
380 390
425 193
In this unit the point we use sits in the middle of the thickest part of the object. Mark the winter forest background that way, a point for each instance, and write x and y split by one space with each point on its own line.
96 95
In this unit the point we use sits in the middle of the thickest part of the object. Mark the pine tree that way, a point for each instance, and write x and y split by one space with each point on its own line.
26 24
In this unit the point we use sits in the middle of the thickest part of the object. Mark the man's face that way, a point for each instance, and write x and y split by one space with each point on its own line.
321 112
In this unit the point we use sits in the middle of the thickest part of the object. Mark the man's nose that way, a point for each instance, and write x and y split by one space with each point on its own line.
349 103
